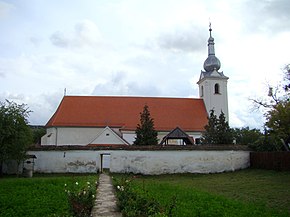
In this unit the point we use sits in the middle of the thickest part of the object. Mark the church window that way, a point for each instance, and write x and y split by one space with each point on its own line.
217 89
201 91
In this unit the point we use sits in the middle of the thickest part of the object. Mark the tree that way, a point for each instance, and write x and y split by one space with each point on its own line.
210 134
225 133
277 112
278 122
15 134
145 132
280 93
247 136
267 142
217 131
37 133
286 85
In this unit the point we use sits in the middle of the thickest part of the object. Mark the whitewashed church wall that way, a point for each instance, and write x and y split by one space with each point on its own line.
70 135
195 135
108 137
129 137
144 162
49 137
85 135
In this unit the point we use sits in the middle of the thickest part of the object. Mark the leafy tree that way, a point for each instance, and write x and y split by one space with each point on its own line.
247 136
217 131
277 112
267 142
145 132
37 133
278 122
15 134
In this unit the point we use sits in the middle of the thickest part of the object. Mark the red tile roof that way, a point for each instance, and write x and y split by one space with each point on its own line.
124 112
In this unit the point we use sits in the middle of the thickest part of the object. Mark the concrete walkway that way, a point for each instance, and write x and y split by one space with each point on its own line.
106 201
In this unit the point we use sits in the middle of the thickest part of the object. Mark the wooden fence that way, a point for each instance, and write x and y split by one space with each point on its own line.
270 160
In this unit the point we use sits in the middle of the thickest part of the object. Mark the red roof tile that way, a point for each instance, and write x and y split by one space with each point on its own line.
100 111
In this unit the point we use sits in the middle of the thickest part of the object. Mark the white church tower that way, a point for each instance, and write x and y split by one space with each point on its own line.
212 83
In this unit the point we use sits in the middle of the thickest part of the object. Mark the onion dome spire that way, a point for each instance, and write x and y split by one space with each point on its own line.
212 62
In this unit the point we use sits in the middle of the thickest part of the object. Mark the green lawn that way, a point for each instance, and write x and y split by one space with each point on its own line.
243 193
38 196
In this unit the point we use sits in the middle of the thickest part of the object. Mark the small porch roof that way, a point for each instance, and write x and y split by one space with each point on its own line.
178 133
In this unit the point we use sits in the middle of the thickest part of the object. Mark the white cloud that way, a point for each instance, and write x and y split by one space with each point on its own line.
188 39
58 39
5 9
265 16
131 48
85 33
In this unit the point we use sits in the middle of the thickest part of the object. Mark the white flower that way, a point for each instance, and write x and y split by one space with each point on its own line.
93 196
88 183
84 192
121 188
127 181
65 185
77 183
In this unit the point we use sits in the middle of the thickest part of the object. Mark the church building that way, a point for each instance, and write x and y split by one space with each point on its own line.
112 120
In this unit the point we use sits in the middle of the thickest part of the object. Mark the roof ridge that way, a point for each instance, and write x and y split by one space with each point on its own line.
136 97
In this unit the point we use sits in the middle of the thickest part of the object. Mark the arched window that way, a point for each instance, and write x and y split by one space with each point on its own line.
217 88
201 91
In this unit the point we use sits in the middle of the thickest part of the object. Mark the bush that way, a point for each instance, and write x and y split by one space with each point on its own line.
136 202
81 198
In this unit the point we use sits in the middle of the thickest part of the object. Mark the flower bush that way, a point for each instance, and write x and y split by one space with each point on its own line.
81 197
136 202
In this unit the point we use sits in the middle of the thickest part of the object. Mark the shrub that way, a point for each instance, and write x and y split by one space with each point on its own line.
81 198
136 202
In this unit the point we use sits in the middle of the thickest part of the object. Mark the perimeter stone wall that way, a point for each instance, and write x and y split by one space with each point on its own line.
138 161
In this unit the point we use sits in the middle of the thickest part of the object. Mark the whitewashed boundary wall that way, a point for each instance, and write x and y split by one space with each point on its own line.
143 162
161 162
80 161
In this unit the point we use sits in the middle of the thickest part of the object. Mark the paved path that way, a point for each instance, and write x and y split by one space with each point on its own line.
106 201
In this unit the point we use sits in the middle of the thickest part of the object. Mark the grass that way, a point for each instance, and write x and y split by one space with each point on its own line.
243 193
42 195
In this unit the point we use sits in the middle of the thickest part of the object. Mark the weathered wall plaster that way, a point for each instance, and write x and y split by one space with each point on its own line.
144 162
160 162
65 161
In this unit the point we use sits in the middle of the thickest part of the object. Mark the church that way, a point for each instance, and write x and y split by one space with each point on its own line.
112 120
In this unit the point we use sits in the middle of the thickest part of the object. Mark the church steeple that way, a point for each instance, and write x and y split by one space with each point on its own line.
212 62
212 83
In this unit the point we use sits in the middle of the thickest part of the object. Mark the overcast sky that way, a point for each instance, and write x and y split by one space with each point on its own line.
139 48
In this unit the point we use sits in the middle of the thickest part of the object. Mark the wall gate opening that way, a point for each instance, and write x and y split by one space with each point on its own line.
105 162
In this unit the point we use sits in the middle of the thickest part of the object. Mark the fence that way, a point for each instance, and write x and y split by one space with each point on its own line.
270 160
